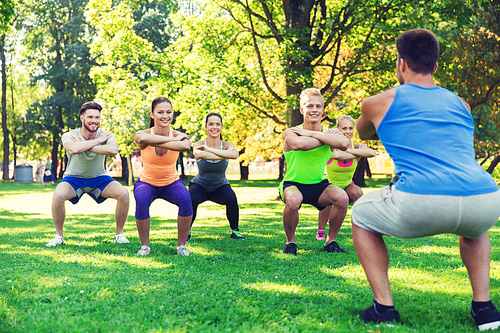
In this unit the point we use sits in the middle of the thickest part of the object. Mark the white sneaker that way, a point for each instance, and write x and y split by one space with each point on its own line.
56 240
182 251
144 251
121 239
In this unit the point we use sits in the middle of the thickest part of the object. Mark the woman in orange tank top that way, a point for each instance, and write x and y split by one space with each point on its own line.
160 146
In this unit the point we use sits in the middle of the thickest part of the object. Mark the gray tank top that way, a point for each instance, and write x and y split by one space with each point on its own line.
211 175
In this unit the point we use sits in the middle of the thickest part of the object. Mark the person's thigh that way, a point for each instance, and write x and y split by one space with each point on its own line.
478 214
396 213
114 190
197 193
354 192
177 194
333 195
144 195
224 195
64 191
377 212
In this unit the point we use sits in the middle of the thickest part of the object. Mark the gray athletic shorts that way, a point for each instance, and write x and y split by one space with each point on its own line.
395 213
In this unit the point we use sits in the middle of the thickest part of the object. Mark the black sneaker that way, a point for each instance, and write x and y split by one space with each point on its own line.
371 315
290 248
487 318
334 247
236 235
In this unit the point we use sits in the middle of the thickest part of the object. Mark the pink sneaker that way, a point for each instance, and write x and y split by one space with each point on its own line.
320 235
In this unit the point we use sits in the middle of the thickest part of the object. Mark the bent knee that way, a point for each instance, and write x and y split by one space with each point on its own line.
58 198
339 198
356 195
293 202
123 196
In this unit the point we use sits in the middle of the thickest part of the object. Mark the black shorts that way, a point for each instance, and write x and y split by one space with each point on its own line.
310 192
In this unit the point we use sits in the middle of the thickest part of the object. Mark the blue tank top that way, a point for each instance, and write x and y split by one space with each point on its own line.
428 133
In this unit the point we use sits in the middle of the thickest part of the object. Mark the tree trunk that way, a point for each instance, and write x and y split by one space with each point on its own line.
282 168
293 115
5 130
124 169
63 165
130 178
14 149
53 155
13 133
243 171
493 164
180 161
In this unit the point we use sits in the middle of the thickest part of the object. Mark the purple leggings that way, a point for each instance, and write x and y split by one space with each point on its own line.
175 193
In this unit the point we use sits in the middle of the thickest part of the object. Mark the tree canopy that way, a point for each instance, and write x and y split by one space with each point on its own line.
245 59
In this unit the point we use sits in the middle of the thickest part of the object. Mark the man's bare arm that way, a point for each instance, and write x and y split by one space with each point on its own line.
77 146
110 149
293 141
333 140
373 110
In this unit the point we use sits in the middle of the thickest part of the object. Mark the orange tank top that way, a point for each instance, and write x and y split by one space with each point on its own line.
159 170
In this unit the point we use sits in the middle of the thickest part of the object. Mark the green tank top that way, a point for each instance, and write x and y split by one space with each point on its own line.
306 167
340 174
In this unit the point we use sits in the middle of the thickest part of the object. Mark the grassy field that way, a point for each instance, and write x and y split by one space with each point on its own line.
225 285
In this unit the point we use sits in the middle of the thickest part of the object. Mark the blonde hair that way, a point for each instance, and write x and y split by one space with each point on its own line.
310 92
345 117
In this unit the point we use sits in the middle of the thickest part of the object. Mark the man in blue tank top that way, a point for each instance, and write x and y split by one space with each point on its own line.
439 188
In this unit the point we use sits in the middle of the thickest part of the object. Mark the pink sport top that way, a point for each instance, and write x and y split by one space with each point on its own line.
159 170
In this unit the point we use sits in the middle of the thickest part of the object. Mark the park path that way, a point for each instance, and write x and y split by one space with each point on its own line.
39 203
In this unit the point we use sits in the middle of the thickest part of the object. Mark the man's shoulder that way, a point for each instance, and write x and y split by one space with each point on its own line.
66 136
378 104
383 96
73 131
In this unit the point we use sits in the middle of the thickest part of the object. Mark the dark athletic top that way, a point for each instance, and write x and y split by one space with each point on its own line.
211 175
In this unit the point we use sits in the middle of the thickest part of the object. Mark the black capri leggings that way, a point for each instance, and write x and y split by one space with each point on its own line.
224 195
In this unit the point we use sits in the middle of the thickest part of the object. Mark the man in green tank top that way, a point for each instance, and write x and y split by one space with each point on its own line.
307 149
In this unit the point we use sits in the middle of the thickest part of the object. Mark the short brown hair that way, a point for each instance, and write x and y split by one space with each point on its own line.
420 49
90 106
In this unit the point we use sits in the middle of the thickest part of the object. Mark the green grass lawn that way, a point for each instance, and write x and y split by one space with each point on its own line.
225 285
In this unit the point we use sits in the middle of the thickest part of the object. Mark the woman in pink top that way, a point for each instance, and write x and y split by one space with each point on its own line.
160 146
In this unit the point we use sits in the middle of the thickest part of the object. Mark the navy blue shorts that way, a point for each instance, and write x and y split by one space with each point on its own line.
91 186
310 192
175 193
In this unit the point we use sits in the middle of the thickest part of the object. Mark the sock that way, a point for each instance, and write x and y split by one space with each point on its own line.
476 306
383 308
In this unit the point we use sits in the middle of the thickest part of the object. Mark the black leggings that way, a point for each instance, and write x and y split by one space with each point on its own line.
224 195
